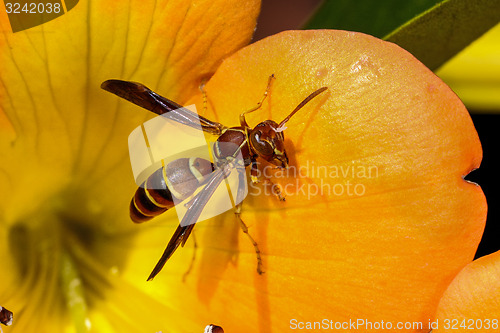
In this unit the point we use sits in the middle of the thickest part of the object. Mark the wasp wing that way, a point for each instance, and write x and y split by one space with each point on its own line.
144 97
192 214
178 237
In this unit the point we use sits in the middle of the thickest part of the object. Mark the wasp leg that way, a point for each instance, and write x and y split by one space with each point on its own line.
275 189
237 211
244 228
254 171
193 258
205 98
243 121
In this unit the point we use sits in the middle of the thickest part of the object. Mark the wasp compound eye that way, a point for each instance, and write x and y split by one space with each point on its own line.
261 145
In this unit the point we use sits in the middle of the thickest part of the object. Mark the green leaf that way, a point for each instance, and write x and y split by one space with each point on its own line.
377 18
441 32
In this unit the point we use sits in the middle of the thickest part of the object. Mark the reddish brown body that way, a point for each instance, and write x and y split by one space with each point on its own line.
236 136
181 178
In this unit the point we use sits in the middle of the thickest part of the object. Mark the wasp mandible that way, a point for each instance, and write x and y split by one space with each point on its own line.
181 178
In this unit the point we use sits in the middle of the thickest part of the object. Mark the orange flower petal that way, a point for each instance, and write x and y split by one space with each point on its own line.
472 301
384 248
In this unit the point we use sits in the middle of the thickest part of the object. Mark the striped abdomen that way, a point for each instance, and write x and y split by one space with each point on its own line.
178 180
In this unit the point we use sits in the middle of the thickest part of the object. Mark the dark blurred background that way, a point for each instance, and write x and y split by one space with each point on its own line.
487 125
280 15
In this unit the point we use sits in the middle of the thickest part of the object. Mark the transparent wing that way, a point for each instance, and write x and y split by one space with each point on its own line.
194 211
144 97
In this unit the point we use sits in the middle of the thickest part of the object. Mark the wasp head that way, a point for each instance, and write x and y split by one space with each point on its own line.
268 142
267 139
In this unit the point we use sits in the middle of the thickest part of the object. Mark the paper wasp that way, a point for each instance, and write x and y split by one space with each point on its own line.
181 178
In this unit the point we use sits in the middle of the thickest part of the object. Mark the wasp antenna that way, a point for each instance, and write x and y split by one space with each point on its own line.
301 105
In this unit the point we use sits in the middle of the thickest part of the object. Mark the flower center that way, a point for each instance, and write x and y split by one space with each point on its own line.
59 267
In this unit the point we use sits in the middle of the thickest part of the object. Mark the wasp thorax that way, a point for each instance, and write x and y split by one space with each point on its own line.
268 141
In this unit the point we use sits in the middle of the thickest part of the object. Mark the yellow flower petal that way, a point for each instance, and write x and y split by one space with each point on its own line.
65 177
472 301
70 129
